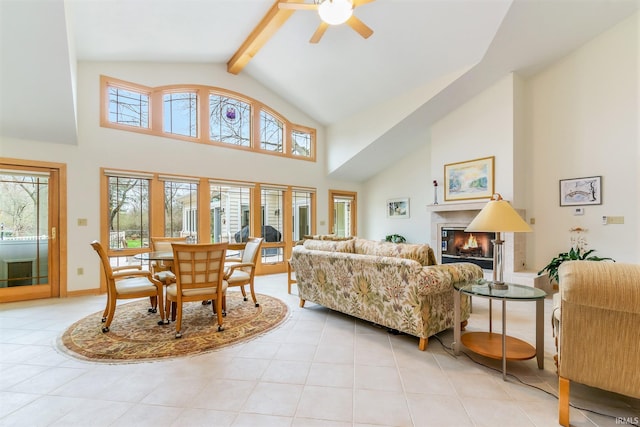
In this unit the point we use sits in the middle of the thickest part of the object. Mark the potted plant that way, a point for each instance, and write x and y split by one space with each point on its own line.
573 254
395 238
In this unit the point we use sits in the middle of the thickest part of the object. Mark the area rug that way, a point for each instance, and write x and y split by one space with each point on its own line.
135 335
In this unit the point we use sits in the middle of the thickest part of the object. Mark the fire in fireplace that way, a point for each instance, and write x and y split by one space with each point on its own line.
461 246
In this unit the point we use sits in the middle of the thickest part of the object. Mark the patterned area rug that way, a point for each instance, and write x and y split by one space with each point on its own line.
135 336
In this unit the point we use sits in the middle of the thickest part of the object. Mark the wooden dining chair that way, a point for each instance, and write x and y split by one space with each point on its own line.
242 273
127 282
199 271
163 270
163 244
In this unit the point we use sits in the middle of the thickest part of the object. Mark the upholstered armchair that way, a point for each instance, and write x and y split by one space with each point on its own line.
599 324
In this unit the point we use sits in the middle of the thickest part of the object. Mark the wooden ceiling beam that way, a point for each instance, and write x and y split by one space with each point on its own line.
268 26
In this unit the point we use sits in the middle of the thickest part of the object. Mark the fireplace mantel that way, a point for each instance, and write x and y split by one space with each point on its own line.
450 207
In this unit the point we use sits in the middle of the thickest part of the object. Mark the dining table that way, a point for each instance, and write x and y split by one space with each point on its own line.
167 257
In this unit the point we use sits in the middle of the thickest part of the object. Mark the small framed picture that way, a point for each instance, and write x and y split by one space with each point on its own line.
398 208
581 191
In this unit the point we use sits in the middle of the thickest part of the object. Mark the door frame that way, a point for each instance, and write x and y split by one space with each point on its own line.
57 256
354 209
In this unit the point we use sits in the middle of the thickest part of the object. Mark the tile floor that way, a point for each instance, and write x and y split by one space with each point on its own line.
319 368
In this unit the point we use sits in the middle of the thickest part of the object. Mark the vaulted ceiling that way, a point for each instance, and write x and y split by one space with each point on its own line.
414 42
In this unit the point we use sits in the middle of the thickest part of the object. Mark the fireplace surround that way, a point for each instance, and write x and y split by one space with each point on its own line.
458 216
457 245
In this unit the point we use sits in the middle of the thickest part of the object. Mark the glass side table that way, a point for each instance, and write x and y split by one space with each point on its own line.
500 345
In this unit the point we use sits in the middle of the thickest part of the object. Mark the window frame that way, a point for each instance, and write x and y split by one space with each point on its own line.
202 92
156 226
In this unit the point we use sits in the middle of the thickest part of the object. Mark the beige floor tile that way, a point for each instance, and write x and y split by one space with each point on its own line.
334 352
47 381
287 372
326 403
319 368
374 349
297 351
204 418
224 395
331 375
91 412
437 411
148 416
377 378
310 422
381 407
491 412
273 399
13 401
175 391
42 411
426 382
254 420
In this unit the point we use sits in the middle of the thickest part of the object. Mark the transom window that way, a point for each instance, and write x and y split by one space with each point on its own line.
270 133
203 114
229 120
181 114
128 107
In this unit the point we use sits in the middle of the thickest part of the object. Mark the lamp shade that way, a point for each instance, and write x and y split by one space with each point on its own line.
498 216
335 12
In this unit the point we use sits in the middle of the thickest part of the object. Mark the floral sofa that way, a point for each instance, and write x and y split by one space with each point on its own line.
394 285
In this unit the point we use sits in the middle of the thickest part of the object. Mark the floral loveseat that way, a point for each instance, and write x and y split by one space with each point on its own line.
394 285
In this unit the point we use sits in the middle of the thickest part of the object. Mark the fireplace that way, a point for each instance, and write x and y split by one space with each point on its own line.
457 216
457 245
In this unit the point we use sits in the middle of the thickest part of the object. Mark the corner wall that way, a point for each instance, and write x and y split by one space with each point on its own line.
582 120
578 117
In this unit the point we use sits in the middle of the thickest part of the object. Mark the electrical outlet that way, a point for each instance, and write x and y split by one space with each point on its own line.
532 221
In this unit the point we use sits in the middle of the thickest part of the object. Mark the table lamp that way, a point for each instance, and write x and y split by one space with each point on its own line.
498 216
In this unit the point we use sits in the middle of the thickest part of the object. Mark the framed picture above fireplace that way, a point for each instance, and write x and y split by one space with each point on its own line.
472 179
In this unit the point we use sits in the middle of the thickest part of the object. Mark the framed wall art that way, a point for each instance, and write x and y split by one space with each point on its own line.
473 179
581 191
398 208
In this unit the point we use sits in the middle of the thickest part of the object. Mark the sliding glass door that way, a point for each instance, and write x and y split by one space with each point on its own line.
29 250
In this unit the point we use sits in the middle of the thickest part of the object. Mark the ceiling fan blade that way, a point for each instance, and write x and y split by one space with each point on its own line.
360 27
357 3
315 38
297 6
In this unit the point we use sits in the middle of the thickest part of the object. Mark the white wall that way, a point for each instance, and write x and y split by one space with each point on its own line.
353 134
579 117
583 121
102 147
482 127
408 178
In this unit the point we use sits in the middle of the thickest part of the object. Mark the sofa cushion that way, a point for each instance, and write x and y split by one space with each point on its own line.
421 253
327 237
346 246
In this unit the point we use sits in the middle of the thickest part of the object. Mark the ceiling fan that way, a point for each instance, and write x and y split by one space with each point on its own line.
332 12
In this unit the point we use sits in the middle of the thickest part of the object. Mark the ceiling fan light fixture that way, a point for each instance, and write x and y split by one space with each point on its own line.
335 12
